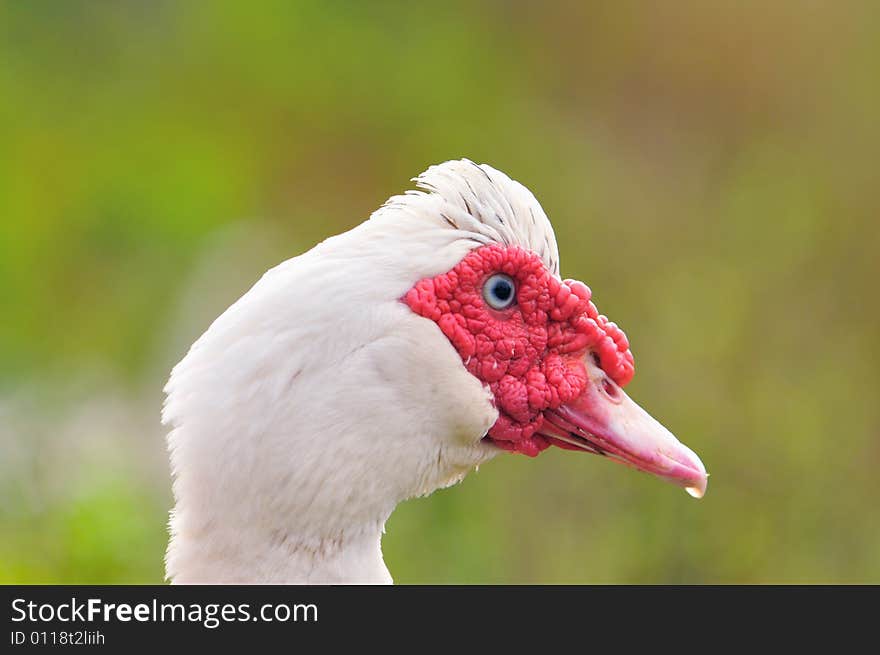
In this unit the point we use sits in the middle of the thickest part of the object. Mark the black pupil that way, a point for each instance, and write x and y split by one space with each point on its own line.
502 290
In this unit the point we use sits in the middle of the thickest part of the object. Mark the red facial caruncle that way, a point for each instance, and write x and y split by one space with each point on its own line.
555 366
529 343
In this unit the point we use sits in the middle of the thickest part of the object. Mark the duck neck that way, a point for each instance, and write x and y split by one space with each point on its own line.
292 443
211 552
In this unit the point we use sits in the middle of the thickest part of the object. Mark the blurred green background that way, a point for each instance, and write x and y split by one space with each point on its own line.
710 169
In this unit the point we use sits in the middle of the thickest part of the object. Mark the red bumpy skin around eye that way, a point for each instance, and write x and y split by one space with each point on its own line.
531 355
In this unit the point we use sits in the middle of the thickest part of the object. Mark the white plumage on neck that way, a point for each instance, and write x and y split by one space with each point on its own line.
318 401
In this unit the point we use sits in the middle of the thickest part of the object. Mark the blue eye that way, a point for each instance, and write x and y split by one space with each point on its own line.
499 291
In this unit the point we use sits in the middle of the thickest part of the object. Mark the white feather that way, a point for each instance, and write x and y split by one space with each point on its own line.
318 401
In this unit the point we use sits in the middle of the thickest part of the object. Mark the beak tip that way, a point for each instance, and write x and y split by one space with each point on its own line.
698 490
696 486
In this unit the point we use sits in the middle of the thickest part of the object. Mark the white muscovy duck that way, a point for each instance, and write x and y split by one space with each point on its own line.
383 364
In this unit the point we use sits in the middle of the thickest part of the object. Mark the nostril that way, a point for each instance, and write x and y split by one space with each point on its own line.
595 359
610 388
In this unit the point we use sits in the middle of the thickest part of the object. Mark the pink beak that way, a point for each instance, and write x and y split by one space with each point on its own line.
605 421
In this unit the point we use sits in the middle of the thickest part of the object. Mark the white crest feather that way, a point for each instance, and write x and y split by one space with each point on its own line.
484 204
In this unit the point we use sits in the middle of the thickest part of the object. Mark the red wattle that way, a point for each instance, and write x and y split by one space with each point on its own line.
530 354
